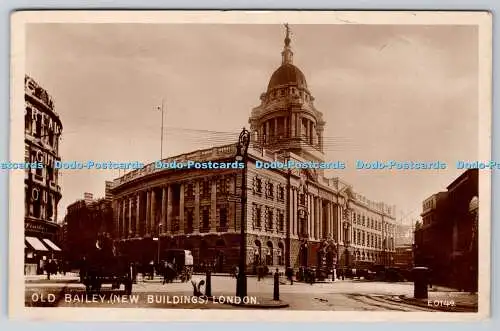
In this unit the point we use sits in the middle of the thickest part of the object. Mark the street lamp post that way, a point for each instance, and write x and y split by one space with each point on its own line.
158 245
241 156
159 242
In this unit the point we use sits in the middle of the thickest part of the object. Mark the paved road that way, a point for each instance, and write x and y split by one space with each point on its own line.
345 295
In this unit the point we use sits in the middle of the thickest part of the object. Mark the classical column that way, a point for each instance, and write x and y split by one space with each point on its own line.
276 127
196 220
340 225
320 138
311 217
153 227
148 212
118 218
213 207
124 218
317 222
291 212
334 222
298 120
129 233
181 209
325 216
163 219
170 208
138 216
330 220
314 217
267 132
321 231
293 124
311 135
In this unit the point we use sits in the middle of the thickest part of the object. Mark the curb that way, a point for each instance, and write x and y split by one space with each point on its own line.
52 281
271 304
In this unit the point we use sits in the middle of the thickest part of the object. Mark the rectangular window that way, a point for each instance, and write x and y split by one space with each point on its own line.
281 193
189 221
205 222
258 185
38 128
302 199
281 222
222 187
269 225
190 191
28 121
258 220
223 219
206 189
270 190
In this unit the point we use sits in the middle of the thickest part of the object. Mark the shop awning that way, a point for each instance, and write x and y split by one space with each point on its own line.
36 244
51 245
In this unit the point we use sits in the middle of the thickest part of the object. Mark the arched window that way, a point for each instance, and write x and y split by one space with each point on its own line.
257 252
269 254
281 253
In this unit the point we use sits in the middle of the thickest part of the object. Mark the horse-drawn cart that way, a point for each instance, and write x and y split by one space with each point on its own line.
178 263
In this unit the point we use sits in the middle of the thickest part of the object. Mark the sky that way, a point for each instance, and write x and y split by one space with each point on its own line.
387 92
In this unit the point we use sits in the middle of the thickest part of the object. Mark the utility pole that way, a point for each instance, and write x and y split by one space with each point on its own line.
162 109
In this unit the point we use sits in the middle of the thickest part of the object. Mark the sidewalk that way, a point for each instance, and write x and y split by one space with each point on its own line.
69 277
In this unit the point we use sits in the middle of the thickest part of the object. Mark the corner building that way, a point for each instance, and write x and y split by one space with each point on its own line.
294 217
42 191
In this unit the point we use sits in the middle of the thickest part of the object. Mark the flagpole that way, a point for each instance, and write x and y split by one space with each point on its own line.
161 140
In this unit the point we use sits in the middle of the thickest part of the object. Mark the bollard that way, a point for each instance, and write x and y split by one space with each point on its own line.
276 294
208 287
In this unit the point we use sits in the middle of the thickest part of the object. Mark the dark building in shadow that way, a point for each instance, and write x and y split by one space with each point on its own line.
447 240
84 220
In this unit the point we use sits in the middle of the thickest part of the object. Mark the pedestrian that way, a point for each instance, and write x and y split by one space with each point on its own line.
151 270
47 269
311 276
165 272
289 274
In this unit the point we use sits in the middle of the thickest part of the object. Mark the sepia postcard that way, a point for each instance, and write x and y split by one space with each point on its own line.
250 165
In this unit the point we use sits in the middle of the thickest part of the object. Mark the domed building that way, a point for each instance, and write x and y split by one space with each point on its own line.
286 119
294 217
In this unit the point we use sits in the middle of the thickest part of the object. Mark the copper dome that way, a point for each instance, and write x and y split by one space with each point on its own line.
287 74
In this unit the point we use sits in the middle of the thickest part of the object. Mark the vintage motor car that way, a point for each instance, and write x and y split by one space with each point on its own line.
104 265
